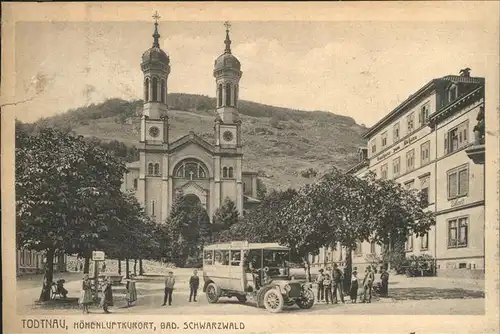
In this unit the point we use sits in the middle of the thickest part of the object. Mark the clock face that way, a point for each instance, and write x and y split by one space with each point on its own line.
154 131
227 136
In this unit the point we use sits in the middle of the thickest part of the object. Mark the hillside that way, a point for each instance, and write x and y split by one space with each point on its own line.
280 143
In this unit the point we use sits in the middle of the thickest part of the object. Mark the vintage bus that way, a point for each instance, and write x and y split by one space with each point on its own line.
257 271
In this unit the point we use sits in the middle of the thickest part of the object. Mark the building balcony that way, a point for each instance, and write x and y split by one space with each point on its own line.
476 152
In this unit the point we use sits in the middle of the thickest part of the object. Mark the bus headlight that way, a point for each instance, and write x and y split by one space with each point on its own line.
288 288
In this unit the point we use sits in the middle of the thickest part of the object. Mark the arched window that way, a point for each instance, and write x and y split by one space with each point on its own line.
235 95
219 92
155 90
224 172
163 91
191 169
146 90
228 94
157 169
150 169
135 183
230 172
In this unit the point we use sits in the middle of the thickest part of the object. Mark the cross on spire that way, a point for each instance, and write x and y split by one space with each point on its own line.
227 25
156 16
156 35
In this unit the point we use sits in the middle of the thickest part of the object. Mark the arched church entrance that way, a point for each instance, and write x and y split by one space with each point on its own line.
192 200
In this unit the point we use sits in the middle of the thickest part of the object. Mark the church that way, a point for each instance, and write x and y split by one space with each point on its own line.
206 172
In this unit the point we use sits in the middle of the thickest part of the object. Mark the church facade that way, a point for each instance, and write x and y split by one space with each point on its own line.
207 172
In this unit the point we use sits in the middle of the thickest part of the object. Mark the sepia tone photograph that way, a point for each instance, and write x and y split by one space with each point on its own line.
237 167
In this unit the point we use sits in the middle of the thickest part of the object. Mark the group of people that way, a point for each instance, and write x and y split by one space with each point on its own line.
88 294
194 284
335 283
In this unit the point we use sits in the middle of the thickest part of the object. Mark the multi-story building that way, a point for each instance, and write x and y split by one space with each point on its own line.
425 144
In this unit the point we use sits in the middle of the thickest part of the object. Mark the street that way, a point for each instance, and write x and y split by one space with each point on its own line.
416 296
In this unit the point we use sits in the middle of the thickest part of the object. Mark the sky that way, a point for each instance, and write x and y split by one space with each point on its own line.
361 69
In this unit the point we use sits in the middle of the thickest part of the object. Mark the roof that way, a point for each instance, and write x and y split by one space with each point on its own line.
191 137
246 245
402 107
459 102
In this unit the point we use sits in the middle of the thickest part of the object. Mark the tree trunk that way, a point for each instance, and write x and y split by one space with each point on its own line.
119 266
127 268
141 269
348 264
48 276
86 266
135 267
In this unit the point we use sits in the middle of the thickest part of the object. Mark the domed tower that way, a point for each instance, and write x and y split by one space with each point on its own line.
156 68
229 154
227 73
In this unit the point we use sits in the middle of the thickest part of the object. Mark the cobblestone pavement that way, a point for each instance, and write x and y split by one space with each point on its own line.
429 295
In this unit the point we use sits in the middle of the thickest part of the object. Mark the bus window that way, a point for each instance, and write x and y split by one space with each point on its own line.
225 257
218 257
208 257
235 257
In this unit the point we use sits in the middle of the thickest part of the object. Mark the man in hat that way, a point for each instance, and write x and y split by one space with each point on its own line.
169 288
337 283
321 288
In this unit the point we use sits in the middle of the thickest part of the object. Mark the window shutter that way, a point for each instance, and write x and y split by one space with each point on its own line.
452 185
463 182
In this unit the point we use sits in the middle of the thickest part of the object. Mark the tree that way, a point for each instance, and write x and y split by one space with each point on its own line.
225 216
184 229
65 195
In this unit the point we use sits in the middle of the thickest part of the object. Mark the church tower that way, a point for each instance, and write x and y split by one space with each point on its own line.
229 155
153 143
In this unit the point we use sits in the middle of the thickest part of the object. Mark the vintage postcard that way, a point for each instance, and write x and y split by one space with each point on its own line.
250 167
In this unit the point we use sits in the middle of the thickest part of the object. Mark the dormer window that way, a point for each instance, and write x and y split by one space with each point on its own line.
453 93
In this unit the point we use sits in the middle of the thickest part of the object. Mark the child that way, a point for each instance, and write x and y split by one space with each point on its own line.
107 295
194 283
354 286
327 284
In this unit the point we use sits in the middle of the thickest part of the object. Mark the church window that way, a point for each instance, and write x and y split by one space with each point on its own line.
191 169
155 90
224 172
157 169
146 90
152 208
150 169
162 92
230 172
135 183
219 92
228 94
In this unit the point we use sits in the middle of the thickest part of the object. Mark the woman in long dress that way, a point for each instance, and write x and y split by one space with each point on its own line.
131 291
86 294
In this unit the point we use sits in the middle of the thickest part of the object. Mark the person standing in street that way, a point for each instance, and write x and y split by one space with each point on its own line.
368 284
107 295
321 289
169 288
131 295
327 284
384 278
86 294
194 284
354 287
337 284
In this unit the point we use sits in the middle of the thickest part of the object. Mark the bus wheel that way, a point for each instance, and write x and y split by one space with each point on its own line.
213 293
273 301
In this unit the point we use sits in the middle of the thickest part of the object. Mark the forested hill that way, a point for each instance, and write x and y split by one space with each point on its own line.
287 147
